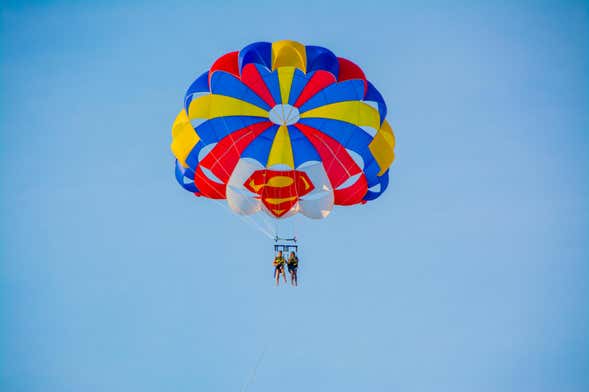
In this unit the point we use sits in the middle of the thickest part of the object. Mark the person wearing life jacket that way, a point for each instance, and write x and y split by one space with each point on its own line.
293 264
279 267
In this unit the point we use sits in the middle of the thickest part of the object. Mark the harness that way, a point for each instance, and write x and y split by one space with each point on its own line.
293 262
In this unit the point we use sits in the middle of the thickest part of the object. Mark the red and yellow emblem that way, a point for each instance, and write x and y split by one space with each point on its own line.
279 190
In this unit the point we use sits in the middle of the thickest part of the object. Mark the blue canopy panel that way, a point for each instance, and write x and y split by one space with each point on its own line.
223 83
200 85
371 169
192 157
215 129
321 58
350 137
302 149
372 94
259 148
271 80
257 53
299 81
349 90
384 183
185 178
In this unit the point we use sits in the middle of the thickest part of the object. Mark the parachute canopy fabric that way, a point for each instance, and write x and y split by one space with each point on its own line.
283 128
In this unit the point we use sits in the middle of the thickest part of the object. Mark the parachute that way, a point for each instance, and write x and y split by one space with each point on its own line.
283 128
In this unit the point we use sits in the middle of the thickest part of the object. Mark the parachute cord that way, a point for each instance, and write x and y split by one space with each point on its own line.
268 224
264 230
265 221
252 377
248 219
244 218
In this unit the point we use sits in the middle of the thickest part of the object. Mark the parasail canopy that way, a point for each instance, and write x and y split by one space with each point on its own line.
283 128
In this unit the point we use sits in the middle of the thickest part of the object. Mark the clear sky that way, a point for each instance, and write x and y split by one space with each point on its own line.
471 273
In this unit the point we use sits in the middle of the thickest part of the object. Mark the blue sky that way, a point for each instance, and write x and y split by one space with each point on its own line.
469 274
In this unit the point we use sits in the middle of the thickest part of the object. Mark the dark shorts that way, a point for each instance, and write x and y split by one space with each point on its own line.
279 269
292 269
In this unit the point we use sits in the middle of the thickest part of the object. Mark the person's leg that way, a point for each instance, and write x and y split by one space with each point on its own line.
284 274
294 275
277 275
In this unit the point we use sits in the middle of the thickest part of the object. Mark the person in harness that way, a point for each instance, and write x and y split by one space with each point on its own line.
293 264
279 267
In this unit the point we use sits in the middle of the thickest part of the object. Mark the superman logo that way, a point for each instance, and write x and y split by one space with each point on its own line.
279 190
